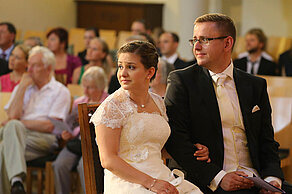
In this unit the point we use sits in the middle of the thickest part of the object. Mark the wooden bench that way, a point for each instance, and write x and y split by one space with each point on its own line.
4 98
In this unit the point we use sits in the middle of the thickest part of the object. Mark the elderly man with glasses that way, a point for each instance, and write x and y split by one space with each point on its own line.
228 110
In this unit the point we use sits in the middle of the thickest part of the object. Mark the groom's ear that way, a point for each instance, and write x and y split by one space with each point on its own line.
228 43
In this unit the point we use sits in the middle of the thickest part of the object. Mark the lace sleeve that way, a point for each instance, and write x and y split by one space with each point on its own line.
109 115
113 111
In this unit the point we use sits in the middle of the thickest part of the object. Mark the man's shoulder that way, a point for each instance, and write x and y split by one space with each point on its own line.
179 60
187 70
240 63
180 64
82 53
264 60
58 87
247 76
187 75
240 60
286 54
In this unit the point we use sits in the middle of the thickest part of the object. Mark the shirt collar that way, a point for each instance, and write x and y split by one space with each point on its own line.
7 51
170 59
228 71
257 61
49 85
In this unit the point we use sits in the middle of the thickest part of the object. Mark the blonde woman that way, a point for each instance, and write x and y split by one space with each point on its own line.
18 64
97 53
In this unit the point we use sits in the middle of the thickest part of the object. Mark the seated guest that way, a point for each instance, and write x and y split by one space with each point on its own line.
65 63
27 134
18 64
7 39
94 82
33 41
256 61
139 26
7 43
168 44
158 85
285 61
89 34
97 53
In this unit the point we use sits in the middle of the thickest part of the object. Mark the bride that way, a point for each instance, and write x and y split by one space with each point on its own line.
131 129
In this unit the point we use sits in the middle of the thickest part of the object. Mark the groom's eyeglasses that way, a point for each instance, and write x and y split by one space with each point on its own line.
204 41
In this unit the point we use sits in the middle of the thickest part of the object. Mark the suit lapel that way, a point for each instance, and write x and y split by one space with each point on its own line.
210 100
244 92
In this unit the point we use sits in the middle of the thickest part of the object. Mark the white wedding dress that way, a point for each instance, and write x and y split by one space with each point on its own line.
142 138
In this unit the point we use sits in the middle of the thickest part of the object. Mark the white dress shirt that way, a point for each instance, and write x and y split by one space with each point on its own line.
7 52
253 65
52 100
263 54
170 59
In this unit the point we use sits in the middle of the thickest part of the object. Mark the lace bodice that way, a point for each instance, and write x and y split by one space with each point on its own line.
141 132
115 110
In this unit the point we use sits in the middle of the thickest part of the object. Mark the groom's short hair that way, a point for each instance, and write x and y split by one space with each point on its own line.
224 23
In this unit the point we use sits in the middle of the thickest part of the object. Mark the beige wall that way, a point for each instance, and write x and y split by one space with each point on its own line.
38 14
273 16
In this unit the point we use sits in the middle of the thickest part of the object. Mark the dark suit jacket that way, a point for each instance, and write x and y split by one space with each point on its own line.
266 67
113 84
4 67
180 64
82 55
194 117
285 60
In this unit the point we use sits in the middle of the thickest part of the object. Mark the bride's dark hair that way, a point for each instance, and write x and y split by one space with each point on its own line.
144 49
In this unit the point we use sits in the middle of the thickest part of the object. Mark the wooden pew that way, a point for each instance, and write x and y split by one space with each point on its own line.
93 171
75 90
282 122
280 93
76 39
110 37
279 86
122 36
4 98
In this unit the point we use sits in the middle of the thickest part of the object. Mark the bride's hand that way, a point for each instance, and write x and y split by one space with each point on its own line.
202 153
163 187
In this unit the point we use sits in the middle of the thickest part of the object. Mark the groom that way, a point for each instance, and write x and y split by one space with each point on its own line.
227 110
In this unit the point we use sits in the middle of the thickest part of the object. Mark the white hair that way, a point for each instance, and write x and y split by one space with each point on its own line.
97 75
48 57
